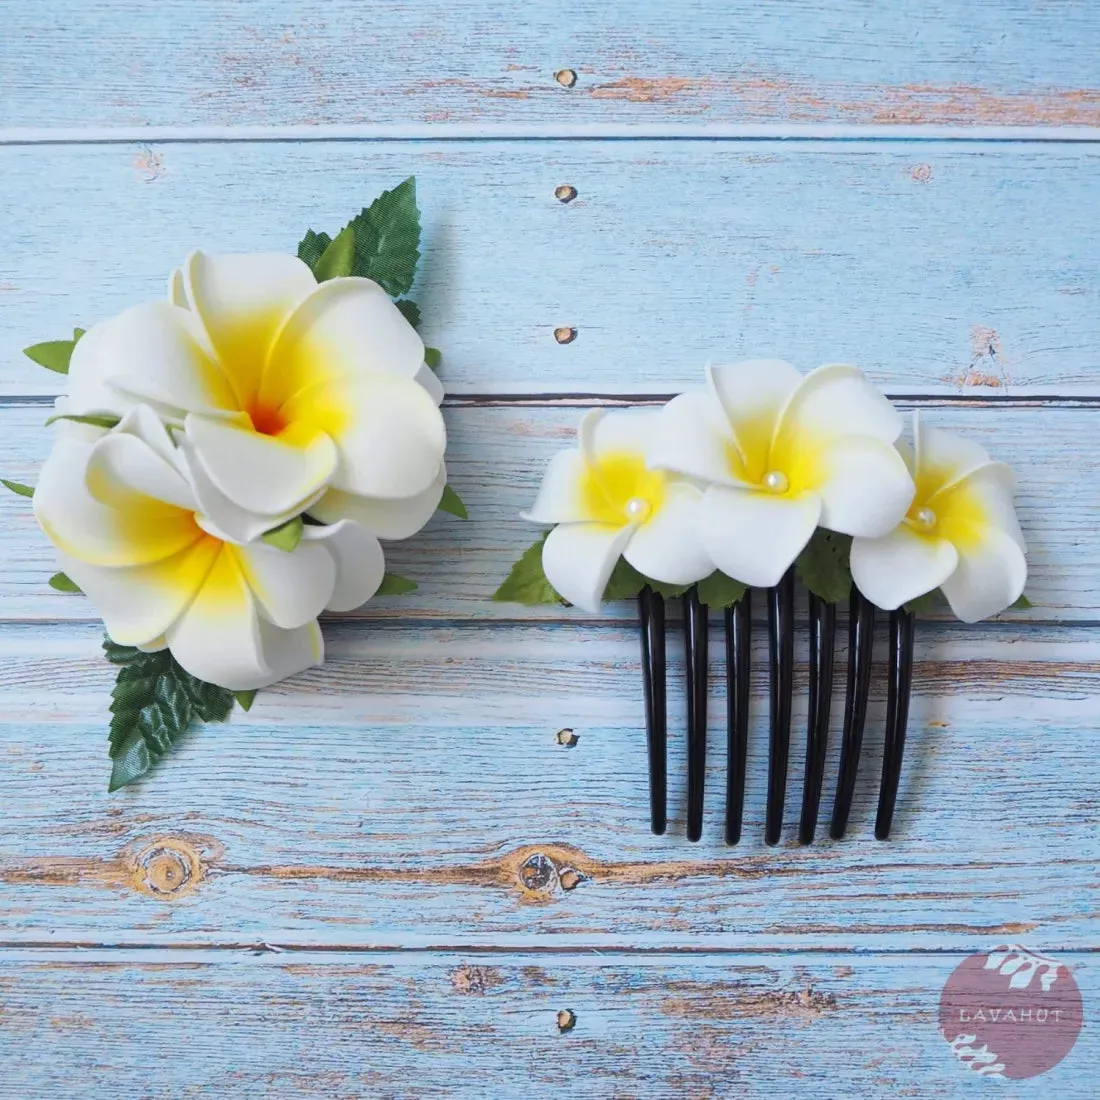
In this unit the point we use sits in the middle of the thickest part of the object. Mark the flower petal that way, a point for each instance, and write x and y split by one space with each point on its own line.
360 563
218 637
140 530
427 378
668 546
385 519
622 431
899 567
121 465
578 558
983 497
561 497
177 289
90 369
755 537
242 302
344 329
831 402
864 484
752 394
258 472
154 352
691 436
387 430
943 458
990 576
290 589
288 652
139 604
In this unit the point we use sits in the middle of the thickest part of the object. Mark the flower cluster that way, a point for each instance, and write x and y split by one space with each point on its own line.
736 477
226 461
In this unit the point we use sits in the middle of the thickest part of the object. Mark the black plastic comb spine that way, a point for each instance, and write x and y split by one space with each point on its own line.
897 716
651 611
781 660
695 643
861 637
738 664
822 639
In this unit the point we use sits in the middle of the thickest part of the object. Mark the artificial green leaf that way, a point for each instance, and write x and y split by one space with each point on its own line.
312 247
54 354
409 310
339 258
433 357
624 583
393 585
245 699
926 604
718 590
452 502
286 536
823 565
1022 604
62 583
97 420
154 702
387 239
17 487
527 583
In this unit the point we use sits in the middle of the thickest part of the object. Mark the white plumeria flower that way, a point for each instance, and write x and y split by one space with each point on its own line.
124 520
291 394
781 453
608 504
961 533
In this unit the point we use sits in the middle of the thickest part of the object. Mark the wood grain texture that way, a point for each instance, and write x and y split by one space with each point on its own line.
414 792
937 268
346 1025
184 62
496 456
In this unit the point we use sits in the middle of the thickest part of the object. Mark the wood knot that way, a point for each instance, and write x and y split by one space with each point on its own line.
567 738
565 335
921 173
475 980
168 867
570 878
565 193
567 1020
538 873
566 77
542 871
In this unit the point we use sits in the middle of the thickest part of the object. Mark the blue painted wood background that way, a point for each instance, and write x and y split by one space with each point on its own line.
392 875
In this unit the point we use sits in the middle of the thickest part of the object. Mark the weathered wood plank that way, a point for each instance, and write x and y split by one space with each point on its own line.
347 1025
938 268
414 791
496 458
277 61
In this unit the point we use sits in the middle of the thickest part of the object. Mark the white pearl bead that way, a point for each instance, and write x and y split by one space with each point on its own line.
776 482
637 508
925 518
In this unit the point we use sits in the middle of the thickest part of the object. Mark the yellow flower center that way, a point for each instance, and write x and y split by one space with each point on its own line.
618 489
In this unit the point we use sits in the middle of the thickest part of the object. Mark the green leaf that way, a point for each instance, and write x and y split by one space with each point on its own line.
452 502
624 583
339 258
245 699
286 536
928 603
409 310
154 702
718 590
95 419
393 585
387 239
312 247
527 583
823 565
63 584
54 354
17 487
433 357
1022 604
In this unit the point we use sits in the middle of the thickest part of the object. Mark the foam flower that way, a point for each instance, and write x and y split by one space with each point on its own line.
608 504
119 509
960 534
290 394
781 453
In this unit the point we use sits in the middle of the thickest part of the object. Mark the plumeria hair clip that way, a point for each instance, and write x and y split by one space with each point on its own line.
226 461
761 475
